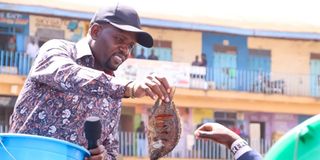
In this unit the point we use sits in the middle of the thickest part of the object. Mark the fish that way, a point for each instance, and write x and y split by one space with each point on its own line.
163 129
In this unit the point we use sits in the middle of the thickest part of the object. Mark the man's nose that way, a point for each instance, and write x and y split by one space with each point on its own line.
124 50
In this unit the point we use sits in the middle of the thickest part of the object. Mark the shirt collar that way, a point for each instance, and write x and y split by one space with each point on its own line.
83 48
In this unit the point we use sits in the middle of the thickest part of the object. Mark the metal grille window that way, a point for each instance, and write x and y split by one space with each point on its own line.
225 115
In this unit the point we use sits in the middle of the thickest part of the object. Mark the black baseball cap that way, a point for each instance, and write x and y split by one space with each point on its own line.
125 18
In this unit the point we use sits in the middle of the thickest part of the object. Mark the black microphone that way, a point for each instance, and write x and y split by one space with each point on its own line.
92 130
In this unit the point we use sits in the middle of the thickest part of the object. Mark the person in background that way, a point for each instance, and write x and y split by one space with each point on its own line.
152 56
196 61
243 134
10 56
234 128
222 135
203 60
69 82
141 55
11 45
142 145
195 74
32 48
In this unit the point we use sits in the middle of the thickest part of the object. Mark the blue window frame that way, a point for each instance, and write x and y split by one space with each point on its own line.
315 74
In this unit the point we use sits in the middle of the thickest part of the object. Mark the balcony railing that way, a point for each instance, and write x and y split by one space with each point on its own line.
255 81
188 147
14 63
187 76
3 127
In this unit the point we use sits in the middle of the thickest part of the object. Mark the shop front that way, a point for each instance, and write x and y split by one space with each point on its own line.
14 29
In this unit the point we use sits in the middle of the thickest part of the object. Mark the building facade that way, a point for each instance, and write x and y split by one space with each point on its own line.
261 85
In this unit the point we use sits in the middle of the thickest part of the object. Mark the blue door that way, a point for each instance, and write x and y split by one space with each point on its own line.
259 67
225 65
20 40
315 77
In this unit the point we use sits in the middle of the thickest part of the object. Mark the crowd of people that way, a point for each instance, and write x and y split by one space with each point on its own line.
142 55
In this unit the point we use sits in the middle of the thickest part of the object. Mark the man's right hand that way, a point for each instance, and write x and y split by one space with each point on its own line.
217 133
153 86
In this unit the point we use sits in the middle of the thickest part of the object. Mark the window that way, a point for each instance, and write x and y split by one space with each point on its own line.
227 119
225 116
225 49
315 74
161 49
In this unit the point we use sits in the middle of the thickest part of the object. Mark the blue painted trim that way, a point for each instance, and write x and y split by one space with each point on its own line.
229 30
163 23
194 26
45 11
289 35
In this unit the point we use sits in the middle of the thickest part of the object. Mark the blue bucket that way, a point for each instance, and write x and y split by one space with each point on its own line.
31 147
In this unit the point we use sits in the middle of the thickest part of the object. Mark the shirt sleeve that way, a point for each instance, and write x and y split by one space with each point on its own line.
55 67
250 155
111 143
242 151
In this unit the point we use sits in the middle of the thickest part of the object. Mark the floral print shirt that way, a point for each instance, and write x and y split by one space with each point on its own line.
62 89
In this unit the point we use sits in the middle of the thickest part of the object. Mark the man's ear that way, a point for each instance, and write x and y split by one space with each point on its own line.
95 30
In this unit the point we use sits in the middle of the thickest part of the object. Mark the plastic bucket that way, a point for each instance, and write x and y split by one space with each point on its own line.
31 147
300 143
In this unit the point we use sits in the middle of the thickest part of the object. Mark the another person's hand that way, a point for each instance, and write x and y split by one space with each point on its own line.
217 133
98 153
153 86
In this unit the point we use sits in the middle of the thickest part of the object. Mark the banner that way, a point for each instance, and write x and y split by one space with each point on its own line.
178 74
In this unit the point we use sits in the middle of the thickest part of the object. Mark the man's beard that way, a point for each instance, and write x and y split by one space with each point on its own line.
108 65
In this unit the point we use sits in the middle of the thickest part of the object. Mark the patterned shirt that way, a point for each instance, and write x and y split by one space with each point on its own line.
62 89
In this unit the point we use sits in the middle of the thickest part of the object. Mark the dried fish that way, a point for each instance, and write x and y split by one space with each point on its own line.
164 128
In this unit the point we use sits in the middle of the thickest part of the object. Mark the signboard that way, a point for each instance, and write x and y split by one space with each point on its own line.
55 27
14 18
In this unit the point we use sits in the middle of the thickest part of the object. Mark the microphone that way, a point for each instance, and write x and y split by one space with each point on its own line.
92 130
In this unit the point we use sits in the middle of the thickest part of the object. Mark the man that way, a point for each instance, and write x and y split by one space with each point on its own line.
223 135
153 56
141 149
196 61
141 55
11 44
32 48
72 81
243 133
203 60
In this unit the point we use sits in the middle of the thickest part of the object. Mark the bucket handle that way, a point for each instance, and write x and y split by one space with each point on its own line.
4 147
